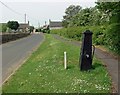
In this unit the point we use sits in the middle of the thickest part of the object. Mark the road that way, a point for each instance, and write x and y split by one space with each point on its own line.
14 53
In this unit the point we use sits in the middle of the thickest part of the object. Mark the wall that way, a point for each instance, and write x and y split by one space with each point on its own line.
6 37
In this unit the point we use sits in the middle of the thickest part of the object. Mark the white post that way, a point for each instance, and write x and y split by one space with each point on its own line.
1 69
65 63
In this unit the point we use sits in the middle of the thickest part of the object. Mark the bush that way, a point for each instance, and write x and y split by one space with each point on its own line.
107 35
3 27
113 37
98 35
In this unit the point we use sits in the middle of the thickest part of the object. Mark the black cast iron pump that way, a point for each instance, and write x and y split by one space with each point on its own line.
86 51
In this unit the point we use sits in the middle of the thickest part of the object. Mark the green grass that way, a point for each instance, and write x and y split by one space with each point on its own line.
44 72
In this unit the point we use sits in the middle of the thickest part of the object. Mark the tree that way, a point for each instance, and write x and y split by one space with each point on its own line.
95 16
102 13
13 25
111 10
83 17
76 16
31 28
70 12
65 23
4 27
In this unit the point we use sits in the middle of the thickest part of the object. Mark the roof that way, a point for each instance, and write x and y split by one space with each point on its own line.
55 24
23 26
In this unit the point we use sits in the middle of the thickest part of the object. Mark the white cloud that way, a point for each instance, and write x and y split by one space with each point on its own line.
39 10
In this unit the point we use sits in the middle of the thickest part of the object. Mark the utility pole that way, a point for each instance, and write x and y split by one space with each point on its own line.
49 21
45 22
38 25
25 17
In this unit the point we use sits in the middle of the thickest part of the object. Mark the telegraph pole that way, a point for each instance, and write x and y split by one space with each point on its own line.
38 25
25 17
45 22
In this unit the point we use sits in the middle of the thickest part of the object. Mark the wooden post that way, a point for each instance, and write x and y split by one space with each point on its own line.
65 63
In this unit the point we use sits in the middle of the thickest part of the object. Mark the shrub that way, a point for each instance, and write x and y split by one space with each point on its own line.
113 37
108 35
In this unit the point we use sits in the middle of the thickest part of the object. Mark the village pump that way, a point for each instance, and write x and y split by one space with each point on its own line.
87 53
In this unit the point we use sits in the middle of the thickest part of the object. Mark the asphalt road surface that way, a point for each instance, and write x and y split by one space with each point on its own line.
14 53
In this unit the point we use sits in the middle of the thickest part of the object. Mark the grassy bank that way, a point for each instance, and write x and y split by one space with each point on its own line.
43 72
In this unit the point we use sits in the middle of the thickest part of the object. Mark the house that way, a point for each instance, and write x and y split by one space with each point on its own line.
23 27
55 24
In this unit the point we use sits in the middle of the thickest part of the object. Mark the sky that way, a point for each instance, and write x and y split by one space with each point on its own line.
38 11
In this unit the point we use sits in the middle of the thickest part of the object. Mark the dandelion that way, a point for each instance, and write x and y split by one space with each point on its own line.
26 80
36 69
29 73
85 91
21 83
103 88
74 89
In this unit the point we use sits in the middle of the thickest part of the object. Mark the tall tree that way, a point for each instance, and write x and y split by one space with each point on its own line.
110 10
13 25
70 12
31 28
4 27
83 18
102 13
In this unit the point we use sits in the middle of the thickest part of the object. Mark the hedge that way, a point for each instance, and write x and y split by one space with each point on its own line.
108 35
12 36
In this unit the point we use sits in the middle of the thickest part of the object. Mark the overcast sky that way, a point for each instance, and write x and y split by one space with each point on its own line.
38 11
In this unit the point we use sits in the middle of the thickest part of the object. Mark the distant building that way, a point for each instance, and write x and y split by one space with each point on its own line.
24 27
55 24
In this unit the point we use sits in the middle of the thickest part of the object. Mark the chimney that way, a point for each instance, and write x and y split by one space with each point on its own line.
49 21
25 18
28 22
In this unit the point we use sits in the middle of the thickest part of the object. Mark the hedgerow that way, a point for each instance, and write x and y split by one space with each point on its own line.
108 35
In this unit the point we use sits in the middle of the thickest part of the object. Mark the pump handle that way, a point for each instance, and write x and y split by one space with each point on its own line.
93 51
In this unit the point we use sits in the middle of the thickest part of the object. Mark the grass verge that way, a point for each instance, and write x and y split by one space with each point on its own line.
43 72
